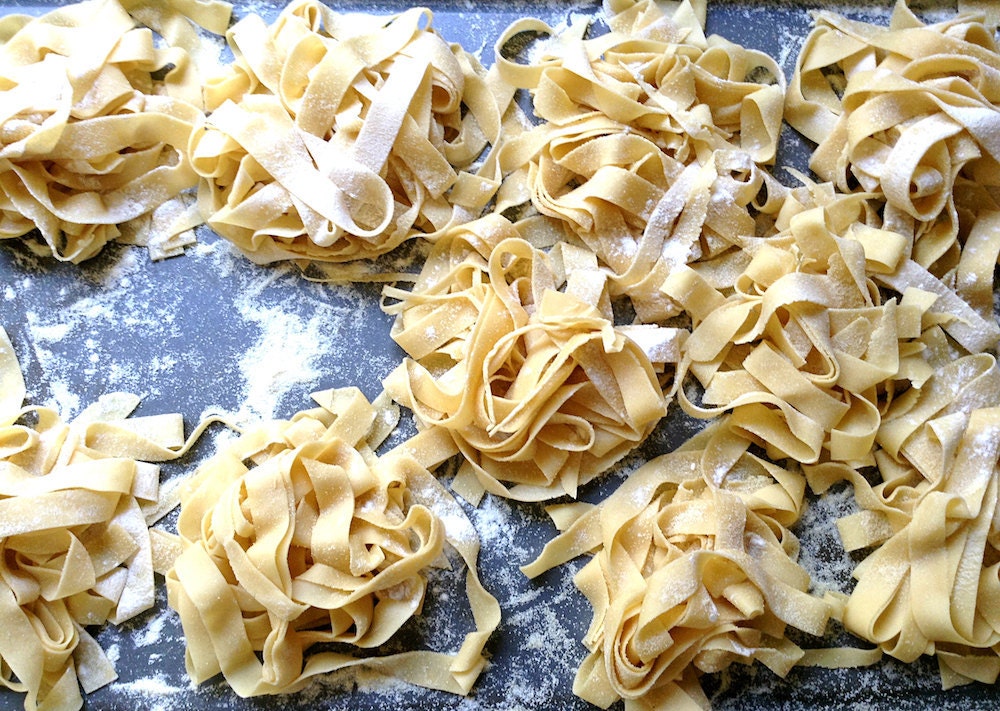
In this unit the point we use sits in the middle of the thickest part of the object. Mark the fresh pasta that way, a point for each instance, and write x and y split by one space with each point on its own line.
908 113
693 568
93 141
626 250
803 350
335 138
649 142
74 530
832 345
537 388
297 535
929 584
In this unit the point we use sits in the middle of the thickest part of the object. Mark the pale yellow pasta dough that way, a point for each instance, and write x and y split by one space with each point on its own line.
649 144
693 568
906 117
335 137
823 329
74 534
930 584
521 363
92 142
802 350
296 534
837 331
908 113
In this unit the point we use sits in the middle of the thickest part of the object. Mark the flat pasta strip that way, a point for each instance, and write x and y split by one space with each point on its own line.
537 388
297 534
335 138
94 141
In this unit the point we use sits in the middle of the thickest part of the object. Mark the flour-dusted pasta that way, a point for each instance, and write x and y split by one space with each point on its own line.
649 142
693 568
908 113
335 137
803 351
74 534
521 362
906 117
830 345
93 142
297 534
929 584
838 331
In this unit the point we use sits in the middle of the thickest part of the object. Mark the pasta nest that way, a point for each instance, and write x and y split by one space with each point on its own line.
75 547
656 74
649 143
292 538
694 569
810 345
335 138
96 123
929 581
908 114
536 386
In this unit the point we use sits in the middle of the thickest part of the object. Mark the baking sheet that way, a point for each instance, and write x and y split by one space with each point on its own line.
211 332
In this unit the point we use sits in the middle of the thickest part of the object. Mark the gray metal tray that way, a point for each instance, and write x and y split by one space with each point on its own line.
210 331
